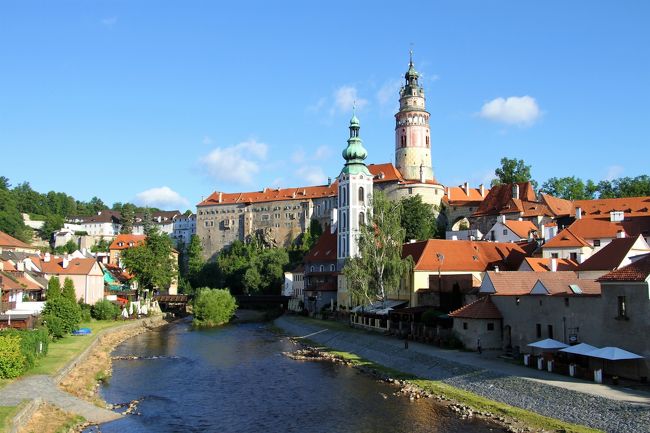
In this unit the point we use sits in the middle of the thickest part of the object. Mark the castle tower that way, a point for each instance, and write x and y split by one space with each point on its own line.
412 143
354 195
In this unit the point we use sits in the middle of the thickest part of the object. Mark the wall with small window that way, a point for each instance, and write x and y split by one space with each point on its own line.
472 332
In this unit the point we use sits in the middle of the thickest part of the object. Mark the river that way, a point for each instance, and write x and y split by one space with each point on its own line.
235 379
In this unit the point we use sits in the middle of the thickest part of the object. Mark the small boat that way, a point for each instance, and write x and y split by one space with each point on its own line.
82 331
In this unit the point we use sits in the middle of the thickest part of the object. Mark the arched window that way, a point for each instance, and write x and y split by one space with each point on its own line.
362 218
312 268
343 223
361 195
344 202
331 268
322 268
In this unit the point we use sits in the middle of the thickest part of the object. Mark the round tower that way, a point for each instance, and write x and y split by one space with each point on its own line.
412 142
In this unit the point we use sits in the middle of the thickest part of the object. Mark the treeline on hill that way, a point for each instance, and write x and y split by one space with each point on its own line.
570 187
52 208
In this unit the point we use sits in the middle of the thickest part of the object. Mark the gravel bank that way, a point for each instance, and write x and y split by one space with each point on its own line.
551 401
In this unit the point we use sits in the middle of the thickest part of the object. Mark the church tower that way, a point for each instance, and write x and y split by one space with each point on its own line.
412 142
354 195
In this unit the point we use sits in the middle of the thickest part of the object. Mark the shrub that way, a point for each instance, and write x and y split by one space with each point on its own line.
55 326
33 344
86 314
213 307
12 360
105 310
64 309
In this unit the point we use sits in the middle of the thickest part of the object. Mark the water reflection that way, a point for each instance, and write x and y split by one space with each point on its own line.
235 379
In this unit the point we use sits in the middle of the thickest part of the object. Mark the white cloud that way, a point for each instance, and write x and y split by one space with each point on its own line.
345 98
109 21
514 110
313 175
163 197
235 164
614 171
389 91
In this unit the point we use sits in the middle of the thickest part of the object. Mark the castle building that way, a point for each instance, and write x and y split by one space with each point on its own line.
280 216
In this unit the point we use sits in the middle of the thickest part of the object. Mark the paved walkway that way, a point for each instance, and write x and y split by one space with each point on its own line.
43 387
608 408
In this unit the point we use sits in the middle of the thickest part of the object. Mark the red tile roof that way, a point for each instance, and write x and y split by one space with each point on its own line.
557 283
558 206
16 280
482 308
638 271
126 241
566 239
269 194
610 256
631 206
55 265
538 264
11 242
463 255
458 196
521 228
324 250
386 172
499 199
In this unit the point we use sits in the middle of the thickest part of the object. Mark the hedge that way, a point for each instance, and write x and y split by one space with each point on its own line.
12 360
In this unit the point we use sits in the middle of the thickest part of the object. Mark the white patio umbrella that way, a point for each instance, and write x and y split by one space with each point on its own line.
548 344
579 349
613 354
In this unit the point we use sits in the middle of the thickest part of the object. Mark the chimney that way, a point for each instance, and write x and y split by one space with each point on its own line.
520 219
515 191
333 220
329 181
293 194
412 241
503 219
46 258
454 238
578 213
496 268
20 266
66 262
482 188
620 234
581 258
448 193
220 197
466 188
553 265
543 231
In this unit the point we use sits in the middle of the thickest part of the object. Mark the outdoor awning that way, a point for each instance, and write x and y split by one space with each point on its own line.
579 349
549 343
613 354
378 307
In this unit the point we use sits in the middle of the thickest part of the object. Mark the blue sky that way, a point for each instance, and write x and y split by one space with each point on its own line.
164 102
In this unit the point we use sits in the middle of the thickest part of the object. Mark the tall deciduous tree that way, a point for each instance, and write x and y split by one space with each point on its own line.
513 171
570 188
195 261
379 266
152 263
418 220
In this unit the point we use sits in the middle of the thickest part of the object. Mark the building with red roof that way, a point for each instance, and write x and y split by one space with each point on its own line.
122 242
85 273
10 243
479 324
320 273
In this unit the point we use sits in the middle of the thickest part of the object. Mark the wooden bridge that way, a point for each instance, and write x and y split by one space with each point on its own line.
172 303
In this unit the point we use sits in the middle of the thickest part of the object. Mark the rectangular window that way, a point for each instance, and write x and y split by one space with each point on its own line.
596 242
538 330
550 331
464 325
622 307
566 302
574 256
554 255
505 232
490 326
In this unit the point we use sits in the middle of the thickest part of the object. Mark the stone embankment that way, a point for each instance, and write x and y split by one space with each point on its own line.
533 395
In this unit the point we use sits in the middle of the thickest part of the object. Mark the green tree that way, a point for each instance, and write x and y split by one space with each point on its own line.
128 217
52 223
195 261
147 223
101 246
570 188
632 186
62 314
68 290
53 288
11 222
379 266
4 183
213 307
417 219
513 171
152 263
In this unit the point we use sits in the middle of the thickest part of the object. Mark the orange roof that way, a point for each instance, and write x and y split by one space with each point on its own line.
499 199
457 195
268 194
521 228
55 265
558 206
556 283
7 265
386 172
611 255
544 265
463 255
10 241
482 308
638 270
124 241
324 250
631 206
566 239
599 228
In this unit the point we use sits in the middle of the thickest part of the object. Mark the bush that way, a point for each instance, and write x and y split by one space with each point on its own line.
105 310
33 344
12 360
213 307
55 326
86 314
67 311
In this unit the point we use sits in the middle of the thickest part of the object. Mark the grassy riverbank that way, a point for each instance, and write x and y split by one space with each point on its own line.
7 413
